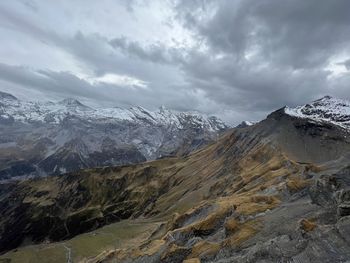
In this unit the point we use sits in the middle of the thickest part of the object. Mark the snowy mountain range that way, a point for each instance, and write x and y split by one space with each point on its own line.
12 109
324 110
41 138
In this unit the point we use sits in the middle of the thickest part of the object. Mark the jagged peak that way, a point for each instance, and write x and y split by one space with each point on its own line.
73 103
163 108
329 102
326 97
245 124
8 96
325 109
70 101
139 109
56 111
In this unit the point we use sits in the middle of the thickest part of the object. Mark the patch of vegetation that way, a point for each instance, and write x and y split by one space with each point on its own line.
307 225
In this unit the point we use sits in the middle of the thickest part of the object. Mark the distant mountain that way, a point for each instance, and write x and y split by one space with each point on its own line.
6 96
41 138
245 124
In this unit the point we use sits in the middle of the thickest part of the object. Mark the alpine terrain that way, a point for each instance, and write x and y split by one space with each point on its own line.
44 138
275 191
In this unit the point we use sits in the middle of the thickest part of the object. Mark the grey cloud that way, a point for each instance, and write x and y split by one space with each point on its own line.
156 53
294 33
261 55
58 83
245 87
102 56
248 57
130 5
16 22
30 4
346 64
99 54
65 84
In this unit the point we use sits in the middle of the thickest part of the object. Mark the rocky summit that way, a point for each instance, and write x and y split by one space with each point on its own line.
45 138
275 191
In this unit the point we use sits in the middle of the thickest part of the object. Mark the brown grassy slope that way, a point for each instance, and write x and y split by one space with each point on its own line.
250 173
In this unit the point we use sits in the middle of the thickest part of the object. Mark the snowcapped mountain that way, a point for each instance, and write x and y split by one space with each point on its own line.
58 137
245 124
50 112
326 109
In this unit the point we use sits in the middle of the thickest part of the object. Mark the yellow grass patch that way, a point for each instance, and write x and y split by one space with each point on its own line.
257 204
296 184
245 231
192 260
204 248
231 225
307 225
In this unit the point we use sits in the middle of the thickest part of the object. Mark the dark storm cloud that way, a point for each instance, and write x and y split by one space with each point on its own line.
244 86
58 83
295 33
156 53
263 54
248 57
100 55
46 81
17 22
346 64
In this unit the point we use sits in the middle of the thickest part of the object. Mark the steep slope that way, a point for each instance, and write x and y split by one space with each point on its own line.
41 138
276 191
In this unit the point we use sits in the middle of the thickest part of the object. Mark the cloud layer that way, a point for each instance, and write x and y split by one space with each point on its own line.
236 59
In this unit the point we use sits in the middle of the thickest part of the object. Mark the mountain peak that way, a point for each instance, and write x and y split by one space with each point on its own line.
245 124
326 97
73 103
7 96
162 108
70 102
139 110
326 109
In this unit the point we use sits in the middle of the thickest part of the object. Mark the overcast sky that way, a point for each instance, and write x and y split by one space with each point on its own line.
238 60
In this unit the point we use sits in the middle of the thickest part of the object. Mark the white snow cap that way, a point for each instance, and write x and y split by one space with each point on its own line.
55 112
326 109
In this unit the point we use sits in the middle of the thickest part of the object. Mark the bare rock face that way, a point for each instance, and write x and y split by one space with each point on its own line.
343 200
44 138
343 226
344 209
